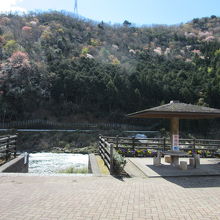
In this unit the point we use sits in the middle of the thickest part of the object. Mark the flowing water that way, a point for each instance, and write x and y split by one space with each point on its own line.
48 163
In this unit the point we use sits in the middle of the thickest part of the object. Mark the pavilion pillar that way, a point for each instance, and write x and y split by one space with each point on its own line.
174 125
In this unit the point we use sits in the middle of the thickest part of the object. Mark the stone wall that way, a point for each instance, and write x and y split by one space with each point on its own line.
17 165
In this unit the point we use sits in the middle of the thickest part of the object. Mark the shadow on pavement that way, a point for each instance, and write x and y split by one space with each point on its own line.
170 171
121 177
195 182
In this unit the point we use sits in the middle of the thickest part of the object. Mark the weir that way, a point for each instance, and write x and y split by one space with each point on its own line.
50 163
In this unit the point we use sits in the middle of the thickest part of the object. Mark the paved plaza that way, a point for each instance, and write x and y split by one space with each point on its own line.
28 197
208 167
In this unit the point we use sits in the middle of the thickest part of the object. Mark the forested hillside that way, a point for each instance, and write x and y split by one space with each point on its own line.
55 65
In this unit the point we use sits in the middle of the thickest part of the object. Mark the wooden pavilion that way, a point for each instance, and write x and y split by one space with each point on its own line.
176 111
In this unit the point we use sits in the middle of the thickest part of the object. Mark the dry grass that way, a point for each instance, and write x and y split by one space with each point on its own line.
2 161
103 168
74 170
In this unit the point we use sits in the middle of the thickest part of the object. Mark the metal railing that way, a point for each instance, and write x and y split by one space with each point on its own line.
45 124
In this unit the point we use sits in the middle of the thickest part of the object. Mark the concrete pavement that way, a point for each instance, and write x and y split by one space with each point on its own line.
208 167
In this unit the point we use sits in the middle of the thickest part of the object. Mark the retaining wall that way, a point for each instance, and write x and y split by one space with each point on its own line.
17 165
93 165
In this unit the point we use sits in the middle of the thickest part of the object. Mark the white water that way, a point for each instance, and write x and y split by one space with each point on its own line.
48 163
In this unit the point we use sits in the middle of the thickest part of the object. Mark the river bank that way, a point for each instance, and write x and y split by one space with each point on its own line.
60 141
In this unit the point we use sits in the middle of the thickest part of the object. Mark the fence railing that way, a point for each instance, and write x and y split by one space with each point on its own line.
46 124
8 146
106 153
112 159
164 144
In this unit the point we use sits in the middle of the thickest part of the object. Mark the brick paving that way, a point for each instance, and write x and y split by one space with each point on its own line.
105 198
208 167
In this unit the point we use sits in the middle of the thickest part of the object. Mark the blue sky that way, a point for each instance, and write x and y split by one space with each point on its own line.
139 12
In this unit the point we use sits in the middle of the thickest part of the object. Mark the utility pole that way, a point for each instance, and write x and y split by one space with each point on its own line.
76 7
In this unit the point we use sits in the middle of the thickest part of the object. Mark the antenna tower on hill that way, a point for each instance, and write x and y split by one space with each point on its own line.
76 8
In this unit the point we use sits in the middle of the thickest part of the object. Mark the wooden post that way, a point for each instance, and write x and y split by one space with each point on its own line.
164 144
111 159
174 129
15 151
7 150
133 145
15 147
117 142
100 144
194 146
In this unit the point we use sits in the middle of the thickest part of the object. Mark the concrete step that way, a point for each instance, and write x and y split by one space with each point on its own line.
132 170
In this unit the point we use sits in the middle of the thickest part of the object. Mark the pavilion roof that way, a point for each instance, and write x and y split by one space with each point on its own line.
177 109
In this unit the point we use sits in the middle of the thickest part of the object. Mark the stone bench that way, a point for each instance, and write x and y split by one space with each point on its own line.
195 161
183 165
167 159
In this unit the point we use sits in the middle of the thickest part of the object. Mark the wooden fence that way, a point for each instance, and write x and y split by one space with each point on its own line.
164 144
8 146
106 153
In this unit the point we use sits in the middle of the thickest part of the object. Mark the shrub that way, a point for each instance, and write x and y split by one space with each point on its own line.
19 59
119 162
10 46
26 28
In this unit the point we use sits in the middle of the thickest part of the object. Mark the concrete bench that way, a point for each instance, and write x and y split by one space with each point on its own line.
192 162
195 161
157 160
167 159
183 165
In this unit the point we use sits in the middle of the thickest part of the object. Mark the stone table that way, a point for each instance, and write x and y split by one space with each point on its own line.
175 155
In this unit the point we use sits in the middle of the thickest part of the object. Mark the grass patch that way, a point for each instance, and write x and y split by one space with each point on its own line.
74 170
2 161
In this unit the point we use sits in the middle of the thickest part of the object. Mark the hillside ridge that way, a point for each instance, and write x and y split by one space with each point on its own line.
54 65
